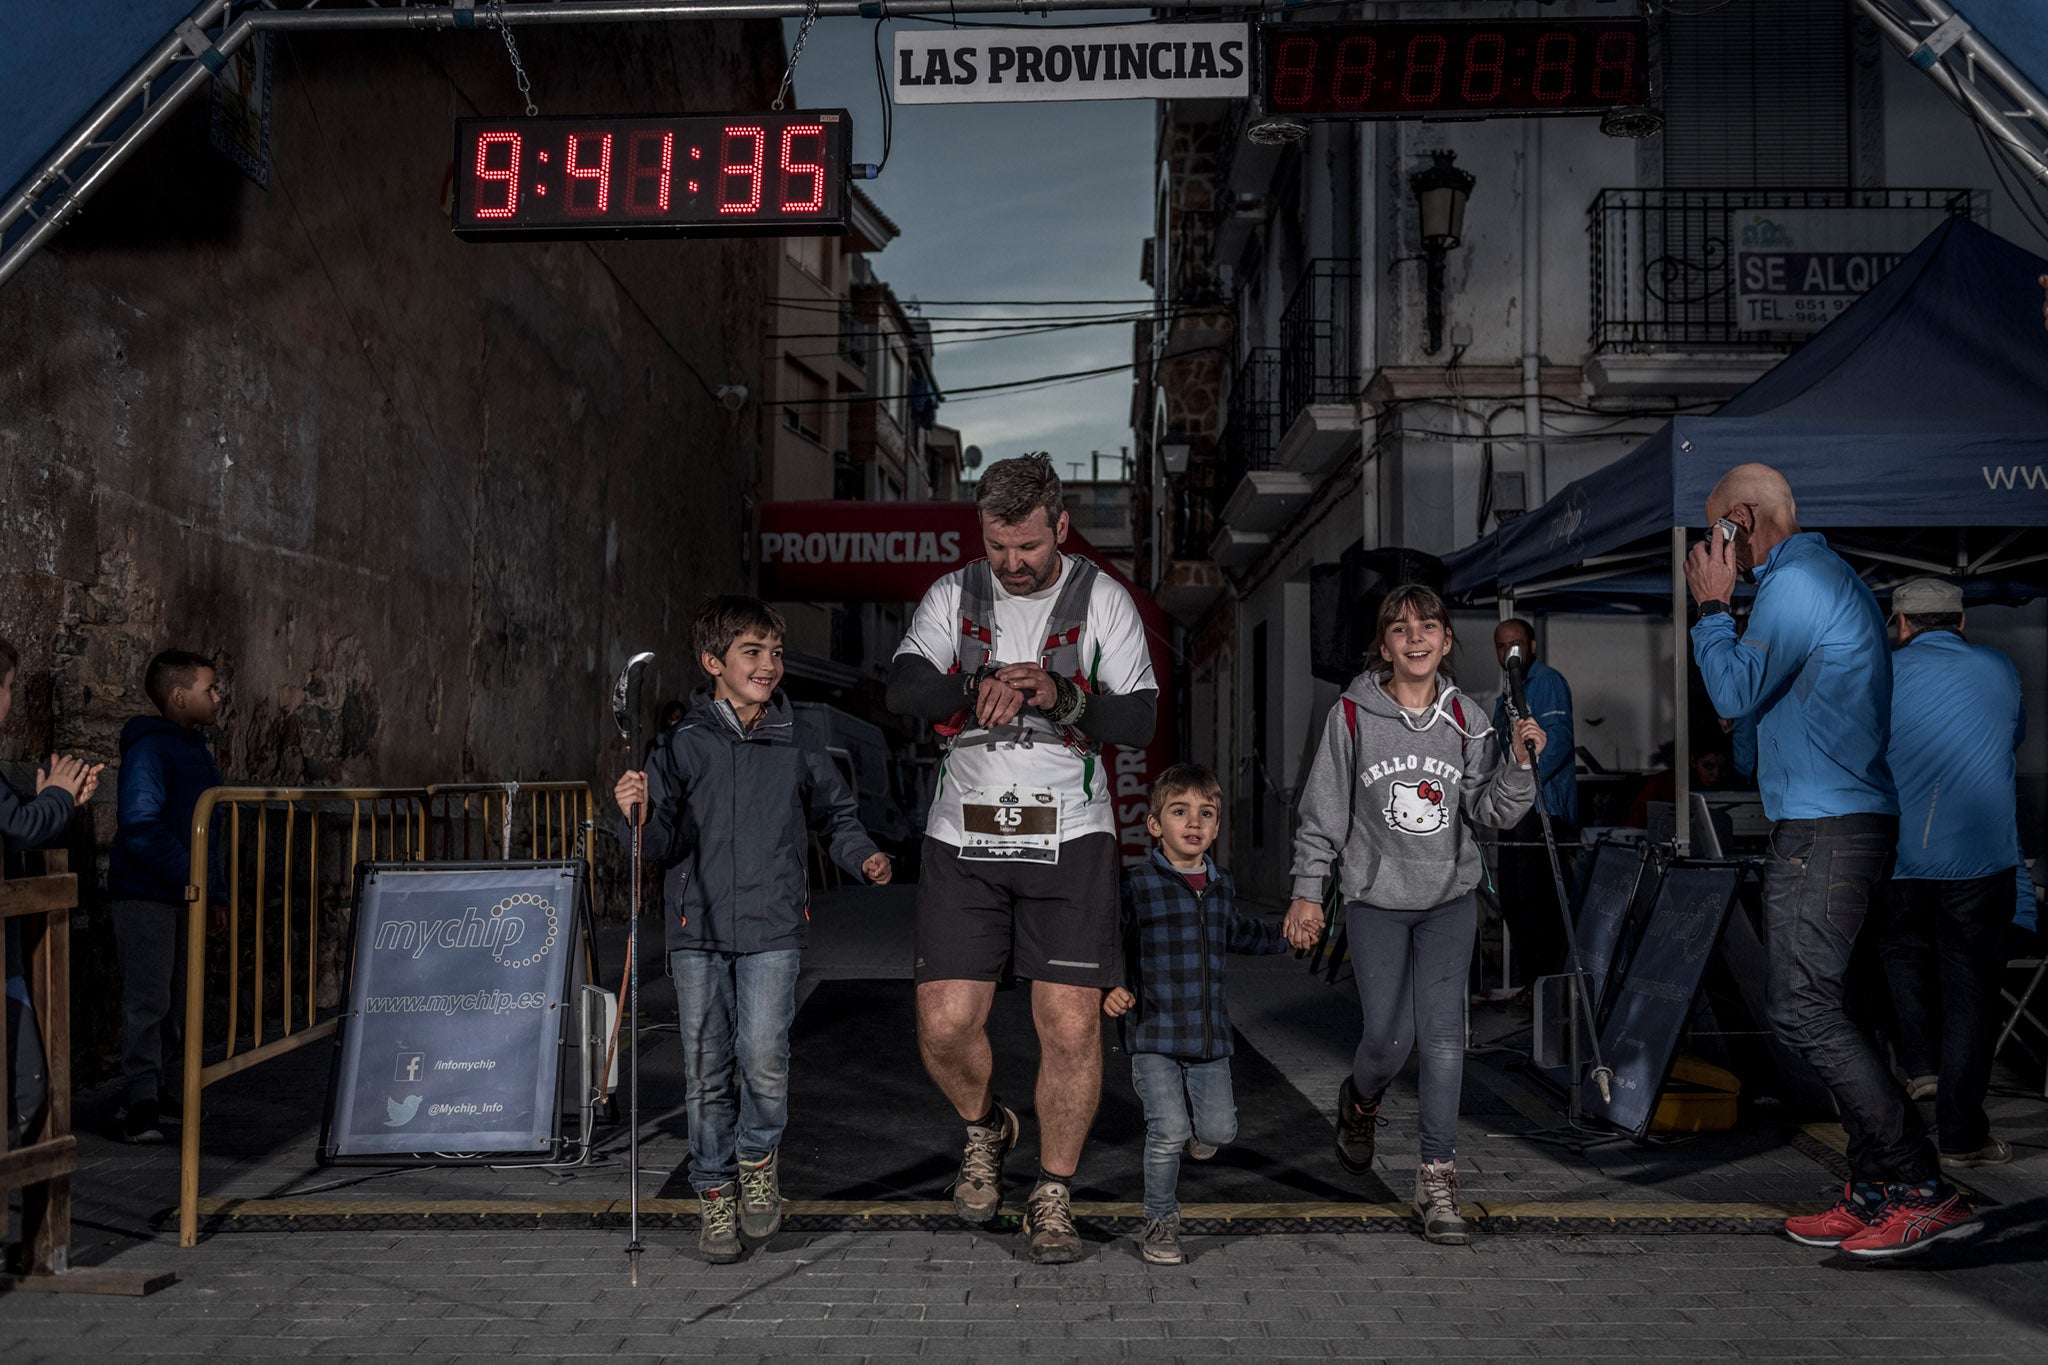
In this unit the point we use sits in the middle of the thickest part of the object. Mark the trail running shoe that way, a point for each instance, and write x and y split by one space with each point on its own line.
1159 1244
1357 1130
1994 1152
1851 1214
718 1234
978 1193
1436 1199
760 1199
1199 1150
1915 1218
1923 1087
1049 1232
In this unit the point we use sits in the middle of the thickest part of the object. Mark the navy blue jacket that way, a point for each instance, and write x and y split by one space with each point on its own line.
25 825
164 768
731 812
1550 702
1174 941
1814 669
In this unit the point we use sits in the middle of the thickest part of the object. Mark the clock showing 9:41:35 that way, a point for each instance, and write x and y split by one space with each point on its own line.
1452 68
710 175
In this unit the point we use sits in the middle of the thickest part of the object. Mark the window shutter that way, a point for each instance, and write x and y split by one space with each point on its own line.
1757 93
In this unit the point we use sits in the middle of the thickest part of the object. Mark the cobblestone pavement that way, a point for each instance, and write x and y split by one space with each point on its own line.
439 1291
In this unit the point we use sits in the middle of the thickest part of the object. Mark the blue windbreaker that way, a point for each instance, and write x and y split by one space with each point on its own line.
1956 719
1550 702
1814 671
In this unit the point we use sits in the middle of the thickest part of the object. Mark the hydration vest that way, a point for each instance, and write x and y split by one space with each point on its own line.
1059 654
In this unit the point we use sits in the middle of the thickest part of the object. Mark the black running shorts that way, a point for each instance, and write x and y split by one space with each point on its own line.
980 921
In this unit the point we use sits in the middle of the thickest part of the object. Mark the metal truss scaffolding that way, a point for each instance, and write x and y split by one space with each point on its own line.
2002 101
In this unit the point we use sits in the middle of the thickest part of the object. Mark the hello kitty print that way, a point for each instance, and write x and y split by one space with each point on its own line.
1420 808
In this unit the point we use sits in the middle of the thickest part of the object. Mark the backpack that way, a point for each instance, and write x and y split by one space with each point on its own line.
1060 653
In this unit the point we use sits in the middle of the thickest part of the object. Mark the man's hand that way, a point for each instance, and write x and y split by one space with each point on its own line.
74 775
878 869
1034 682
998 703
1710 569
631 793
1118 1002
1304 925
1529 731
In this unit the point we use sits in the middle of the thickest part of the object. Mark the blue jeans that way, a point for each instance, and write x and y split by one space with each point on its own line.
1411 968
1818 882
734 1011
1182 1100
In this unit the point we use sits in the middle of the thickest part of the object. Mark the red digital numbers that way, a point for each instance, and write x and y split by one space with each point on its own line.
1396 68
589 191
1614 67
813 170
1486 57
506 177
1357 58
1294 73
650 170
1554 59
1425 66
748 171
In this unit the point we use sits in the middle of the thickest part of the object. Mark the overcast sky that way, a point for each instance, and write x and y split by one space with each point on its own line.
1005 201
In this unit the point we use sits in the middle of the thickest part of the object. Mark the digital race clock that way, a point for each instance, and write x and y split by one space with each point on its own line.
774 175
1456 68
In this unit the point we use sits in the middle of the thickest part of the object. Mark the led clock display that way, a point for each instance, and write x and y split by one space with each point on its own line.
1453 68
778 175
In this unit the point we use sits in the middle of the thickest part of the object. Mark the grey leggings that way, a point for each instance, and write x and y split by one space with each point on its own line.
1411 967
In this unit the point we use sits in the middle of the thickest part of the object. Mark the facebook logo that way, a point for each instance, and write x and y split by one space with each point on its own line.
411 1065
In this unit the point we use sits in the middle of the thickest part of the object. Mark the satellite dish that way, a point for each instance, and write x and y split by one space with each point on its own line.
972 455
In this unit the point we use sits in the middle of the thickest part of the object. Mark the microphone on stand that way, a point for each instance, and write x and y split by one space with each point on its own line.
1518 703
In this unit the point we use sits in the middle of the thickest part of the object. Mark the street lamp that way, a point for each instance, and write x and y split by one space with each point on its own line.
1441 190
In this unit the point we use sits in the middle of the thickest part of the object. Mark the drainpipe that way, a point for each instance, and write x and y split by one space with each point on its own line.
1536 472
1367 329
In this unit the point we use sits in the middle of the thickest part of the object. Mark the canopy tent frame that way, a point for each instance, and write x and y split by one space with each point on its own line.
1974 74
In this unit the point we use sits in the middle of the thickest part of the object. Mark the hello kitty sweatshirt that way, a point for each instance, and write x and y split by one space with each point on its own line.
1386 794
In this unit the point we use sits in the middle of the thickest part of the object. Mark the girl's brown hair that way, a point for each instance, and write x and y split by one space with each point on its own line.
1410 599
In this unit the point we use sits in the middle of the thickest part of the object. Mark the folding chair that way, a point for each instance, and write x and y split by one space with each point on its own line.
2020 1012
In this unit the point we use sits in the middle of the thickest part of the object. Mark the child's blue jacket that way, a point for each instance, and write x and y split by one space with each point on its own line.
1174 941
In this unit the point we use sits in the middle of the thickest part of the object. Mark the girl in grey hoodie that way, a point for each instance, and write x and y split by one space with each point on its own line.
1406 762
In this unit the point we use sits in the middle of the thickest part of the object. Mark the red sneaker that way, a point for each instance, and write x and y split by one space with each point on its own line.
1837 1225
1912 1223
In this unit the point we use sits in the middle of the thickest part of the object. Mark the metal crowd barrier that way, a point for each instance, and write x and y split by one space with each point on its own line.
274 841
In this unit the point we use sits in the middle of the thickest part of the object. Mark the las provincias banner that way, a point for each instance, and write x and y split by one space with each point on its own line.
1017 65
893 551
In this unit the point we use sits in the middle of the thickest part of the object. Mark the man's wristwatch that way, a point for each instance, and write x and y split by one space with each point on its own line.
1712 608
971 682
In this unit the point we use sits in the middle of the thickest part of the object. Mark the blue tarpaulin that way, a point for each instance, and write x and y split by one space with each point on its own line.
59 61
1925 404
2017 28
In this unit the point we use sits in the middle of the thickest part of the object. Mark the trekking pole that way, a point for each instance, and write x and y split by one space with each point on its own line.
626 715
1518 708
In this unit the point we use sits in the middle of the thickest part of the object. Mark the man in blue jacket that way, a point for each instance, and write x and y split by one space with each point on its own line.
1813 668
1528 895
165 765
1956 719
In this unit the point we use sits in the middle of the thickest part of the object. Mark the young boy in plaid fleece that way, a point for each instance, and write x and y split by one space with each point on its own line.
1179 918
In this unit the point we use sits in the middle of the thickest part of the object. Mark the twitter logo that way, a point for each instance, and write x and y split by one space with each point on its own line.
398 1113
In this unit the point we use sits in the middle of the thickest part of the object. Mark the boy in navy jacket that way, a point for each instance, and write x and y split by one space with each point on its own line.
730 798
1180 917
165 765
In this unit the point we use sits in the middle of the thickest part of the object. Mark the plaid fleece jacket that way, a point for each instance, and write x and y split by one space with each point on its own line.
1174 941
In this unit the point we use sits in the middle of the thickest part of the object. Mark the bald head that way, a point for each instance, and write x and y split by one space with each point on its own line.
1753 485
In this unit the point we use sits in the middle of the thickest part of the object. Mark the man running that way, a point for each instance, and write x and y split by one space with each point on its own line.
1026 663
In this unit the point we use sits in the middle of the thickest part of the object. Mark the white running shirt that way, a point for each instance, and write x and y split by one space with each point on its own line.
1113 652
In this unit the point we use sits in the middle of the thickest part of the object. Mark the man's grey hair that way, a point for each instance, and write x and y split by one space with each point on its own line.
1012 489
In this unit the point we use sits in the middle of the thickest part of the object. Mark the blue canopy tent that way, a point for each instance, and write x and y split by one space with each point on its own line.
1913 429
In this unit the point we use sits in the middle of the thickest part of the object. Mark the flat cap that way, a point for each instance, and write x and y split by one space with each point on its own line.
1927 597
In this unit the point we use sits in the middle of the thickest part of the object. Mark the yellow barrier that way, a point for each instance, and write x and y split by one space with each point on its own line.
277 943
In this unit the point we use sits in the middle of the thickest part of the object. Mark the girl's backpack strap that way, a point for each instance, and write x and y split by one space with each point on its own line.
1351 718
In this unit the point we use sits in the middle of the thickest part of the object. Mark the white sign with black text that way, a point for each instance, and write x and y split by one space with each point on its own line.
1797 270
1128 62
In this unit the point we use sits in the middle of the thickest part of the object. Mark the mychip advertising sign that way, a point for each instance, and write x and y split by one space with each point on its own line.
458 992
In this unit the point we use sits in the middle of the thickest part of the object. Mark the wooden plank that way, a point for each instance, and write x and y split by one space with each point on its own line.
38 895
46 1207
38 1161
91 1280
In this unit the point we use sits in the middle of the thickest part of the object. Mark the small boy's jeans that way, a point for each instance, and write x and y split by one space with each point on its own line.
149 942
735 1011
1182 1100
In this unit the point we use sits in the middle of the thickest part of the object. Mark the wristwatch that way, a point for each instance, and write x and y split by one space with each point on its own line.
1713 608
971 682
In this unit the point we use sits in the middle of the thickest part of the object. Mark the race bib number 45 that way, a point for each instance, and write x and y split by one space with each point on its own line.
1013 827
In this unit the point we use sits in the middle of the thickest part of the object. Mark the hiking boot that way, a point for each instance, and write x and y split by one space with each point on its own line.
1436 1199
140 1124
1358 1128
760 1199
718 1234
978 1193
1199 1150
1915 1218
1049 1232
1159 1244
1853 1213
1923 1087
1994 1152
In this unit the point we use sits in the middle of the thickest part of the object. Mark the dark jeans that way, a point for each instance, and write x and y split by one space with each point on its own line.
1410 966
1944 951
1818 884
149 942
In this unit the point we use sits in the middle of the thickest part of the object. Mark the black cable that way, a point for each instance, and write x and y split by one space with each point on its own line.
888 106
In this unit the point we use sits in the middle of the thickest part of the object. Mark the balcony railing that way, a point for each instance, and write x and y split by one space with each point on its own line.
1664 260
1254 420
1316 330
856 336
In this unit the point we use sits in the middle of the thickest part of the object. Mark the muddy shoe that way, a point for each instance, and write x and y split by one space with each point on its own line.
1049 1232
1159 1244
1199 1150
1436 1199
760 1199
718 1234
978 1193
1358 1128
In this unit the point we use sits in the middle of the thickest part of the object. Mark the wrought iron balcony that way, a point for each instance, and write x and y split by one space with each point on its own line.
1664 269
1254 418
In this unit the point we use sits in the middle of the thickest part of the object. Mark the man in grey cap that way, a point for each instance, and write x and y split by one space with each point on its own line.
1956 719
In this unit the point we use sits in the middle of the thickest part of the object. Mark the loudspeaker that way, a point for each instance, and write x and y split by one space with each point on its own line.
1344 603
